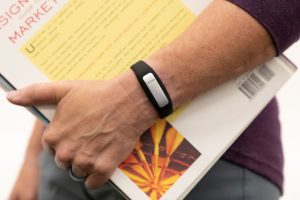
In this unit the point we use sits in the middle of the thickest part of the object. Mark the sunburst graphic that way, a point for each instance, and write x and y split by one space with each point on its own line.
159 160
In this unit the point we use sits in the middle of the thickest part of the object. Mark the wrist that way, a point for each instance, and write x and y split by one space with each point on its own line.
138 98
154 88
161 64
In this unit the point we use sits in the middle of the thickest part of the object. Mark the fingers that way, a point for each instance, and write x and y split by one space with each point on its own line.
103 170
78 172
63 158
47 148
39 94
82 165
50 139
54 144
95 181
64 155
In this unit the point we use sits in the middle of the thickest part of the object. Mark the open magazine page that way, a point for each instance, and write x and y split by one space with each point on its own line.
52 40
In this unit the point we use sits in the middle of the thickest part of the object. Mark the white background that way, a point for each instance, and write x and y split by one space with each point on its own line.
16 124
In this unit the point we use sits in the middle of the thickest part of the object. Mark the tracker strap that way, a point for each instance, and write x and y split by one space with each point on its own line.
153 88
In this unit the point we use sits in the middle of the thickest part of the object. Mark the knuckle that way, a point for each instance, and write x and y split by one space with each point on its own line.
104 168
52 134
50 139
83 162
64 155
65 84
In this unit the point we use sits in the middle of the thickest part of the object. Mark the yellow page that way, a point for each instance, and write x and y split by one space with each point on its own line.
100 39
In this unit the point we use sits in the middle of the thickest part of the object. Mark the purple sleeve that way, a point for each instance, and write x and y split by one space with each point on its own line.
281 18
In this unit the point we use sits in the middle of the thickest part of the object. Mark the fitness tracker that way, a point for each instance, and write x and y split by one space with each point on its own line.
153 88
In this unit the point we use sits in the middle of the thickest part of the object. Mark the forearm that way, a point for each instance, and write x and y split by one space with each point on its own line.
280 18
34 146
27 183
222 43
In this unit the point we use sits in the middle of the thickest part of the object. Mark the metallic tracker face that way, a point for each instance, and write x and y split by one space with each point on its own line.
156 90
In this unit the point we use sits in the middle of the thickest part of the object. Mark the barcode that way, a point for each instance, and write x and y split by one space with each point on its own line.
255 82
266 73
251 85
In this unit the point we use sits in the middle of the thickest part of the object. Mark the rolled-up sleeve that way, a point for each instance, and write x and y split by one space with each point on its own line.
281 18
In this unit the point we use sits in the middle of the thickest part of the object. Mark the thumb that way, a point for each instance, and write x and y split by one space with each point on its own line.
39 94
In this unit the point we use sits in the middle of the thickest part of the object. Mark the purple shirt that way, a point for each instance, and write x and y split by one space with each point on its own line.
259 148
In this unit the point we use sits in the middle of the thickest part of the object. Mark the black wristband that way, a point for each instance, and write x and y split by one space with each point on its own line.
153 88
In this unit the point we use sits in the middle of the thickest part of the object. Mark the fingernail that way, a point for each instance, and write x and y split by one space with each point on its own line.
12 95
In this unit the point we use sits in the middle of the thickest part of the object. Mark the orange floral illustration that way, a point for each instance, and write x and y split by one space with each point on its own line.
159 160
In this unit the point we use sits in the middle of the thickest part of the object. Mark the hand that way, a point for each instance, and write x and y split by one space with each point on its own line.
26 186
96 125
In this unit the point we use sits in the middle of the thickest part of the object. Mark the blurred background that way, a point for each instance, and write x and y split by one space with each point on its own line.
16 124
